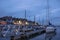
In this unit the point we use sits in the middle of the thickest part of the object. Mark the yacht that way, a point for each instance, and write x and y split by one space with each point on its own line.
50 28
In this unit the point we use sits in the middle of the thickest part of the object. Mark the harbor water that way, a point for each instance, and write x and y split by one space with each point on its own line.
50 36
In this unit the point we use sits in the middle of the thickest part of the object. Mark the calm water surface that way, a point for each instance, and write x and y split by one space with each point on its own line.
50 36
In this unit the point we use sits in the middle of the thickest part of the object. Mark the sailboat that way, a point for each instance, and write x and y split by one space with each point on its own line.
50 27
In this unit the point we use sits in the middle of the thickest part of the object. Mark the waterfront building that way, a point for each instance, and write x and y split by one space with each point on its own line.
16 21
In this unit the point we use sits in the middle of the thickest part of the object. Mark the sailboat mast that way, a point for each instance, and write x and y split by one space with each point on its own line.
48 12
25 14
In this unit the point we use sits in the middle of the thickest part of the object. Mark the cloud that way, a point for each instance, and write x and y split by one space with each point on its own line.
55 13
55 10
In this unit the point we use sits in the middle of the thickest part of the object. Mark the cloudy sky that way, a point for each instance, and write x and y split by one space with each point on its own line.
38 8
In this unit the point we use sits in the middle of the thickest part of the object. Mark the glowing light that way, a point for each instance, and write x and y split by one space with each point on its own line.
20 22
27 23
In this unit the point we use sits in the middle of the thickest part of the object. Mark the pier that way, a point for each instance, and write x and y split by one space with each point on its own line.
31 34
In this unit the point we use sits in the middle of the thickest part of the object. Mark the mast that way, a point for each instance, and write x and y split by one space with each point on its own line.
25 14
48 12
48 21
34 19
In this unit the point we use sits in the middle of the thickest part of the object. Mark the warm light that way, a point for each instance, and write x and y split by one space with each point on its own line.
3 22
20 22
27 23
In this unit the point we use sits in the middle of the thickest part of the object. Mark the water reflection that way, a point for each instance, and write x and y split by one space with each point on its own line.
49 36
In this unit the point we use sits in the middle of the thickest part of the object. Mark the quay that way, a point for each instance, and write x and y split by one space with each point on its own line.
30 35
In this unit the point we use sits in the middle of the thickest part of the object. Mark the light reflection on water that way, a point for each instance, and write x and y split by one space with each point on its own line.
54 35
49 36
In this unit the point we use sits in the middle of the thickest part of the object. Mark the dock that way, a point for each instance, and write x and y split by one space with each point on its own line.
29 35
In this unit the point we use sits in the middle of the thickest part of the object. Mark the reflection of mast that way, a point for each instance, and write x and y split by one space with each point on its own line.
50 36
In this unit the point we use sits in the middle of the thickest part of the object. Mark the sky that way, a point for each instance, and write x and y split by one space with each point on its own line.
38 8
